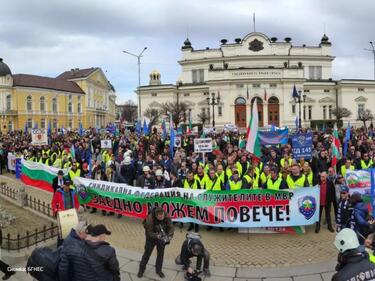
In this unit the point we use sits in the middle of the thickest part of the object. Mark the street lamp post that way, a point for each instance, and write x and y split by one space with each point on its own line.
139 77
300 99
214 100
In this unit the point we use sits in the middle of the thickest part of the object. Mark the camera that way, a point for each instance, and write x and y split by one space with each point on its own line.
165 239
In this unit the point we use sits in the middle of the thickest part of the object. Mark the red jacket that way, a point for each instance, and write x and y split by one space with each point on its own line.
58 202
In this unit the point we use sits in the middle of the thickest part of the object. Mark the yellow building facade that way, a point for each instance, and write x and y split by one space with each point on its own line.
76 96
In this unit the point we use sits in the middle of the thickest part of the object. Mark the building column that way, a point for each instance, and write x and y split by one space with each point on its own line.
265 113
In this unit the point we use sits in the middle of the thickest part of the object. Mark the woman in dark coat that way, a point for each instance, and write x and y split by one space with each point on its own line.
359 219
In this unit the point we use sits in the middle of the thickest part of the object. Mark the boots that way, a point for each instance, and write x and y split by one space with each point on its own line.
317 227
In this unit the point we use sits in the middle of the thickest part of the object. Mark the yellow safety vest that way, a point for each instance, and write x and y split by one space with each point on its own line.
300 182
213 184
371 258
202 180
282 162
221 177
343 169
67 165
57 163
274 185
72 174
264 178
310 178
239 168
235 185
249 180
193 186
366 166
228 172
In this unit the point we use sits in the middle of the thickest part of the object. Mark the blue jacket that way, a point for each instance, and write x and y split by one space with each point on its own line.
360 213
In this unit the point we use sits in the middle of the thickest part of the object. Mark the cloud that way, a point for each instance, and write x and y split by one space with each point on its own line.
49 37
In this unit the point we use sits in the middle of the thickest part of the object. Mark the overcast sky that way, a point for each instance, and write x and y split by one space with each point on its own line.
47 37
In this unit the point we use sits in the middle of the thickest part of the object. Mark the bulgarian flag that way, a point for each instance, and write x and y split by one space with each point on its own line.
38 175
190 126
335 147
252 143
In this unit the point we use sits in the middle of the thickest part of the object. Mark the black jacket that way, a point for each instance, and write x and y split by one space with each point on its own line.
127 174
153 226
87 261
176 183
354 266
186 253
55 183
331 191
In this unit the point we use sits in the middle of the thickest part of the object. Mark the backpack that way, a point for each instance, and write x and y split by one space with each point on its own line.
192 236
45 258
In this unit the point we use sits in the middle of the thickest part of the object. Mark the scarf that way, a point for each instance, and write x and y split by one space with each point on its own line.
343 205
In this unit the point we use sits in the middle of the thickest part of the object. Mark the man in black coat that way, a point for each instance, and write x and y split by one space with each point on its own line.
353 260
3 266
327 198
89 259
159 229
59 181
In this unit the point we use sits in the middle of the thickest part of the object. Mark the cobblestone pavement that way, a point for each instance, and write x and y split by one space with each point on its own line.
227 248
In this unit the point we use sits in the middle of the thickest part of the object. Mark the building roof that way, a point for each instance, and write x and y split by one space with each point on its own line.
76 73
4 68
34 81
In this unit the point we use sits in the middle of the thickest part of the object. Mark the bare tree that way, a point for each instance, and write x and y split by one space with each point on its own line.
203 117
129 111
341 112
178 111
153 114
365 116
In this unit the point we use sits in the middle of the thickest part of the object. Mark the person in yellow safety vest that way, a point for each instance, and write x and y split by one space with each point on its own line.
264 176
286 158
366 162
201 177
57 163
250 179
230 167
74 172
221 174
243 165
258 166
347 166
66 163
275 181
234 182
191 182
369 246
213 182
295 179
309 174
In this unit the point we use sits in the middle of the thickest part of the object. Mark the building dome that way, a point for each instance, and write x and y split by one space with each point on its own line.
155 77
325 40
187 44
4 68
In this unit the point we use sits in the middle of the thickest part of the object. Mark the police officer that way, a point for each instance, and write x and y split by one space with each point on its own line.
275 181
159 229
295 179
192 183
353 261
234 182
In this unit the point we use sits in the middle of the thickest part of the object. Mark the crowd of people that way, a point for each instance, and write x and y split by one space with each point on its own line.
146 161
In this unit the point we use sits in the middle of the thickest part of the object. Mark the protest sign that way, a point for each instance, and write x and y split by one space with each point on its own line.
106 143
39 137
177 141
203 145
242 208
302 145
359 181
11 161
273 137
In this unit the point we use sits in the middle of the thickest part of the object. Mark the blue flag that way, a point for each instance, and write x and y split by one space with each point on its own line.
138 128
49 130
145 127
296 121
295 93
149 128
164 128
25 131
171 144
80 130
346 139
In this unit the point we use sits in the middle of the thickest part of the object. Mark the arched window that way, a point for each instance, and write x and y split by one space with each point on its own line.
273 100
9 102
240 101
54 105
29 103
70 109
42 104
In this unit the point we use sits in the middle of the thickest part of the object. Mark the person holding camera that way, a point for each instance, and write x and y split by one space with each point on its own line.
159 232
193 247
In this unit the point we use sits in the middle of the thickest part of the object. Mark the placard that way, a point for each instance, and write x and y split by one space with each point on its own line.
106 143
39 137
302 145
203 145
